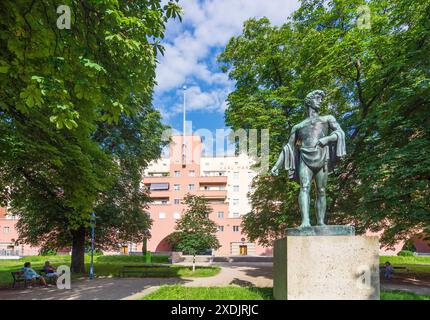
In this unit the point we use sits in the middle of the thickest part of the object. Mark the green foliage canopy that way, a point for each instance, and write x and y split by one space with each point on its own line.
76 122
377 80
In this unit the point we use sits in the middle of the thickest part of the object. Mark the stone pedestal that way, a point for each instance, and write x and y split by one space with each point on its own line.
326 268
327 230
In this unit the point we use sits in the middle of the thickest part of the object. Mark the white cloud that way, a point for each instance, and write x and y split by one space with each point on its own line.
197 100
189 46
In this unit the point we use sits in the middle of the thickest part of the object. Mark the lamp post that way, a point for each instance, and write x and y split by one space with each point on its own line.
184 146
93 223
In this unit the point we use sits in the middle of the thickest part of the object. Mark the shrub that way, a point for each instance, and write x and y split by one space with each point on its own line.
47 252
405 253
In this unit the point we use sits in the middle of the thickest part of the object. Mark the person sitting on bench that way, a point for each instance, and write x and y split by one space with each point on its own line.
49 270
389 270
31 275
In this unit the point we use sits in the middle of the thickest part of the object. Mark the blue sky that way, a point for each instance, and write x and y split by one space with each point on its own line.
190 58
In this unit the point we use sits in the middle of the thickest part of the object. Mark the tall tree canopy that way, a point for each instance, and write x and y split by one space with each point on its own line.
377 79
76 121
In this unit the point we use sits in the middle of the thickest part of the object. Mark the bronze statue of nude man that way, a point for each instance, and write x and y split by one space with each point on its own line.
310 153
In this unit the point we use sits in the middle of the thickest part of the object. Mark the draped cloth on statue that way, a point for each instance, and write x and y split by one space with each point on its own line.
314 157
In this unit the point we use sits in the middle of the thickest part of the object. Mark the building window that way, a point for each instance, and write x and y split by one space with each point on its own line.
191 187
220 228
191 173
236 214
6 229
177 173
161 215
236 163
220 214
236 188
177 187
177 201
235 202
235 228
164 202
236 175
176 216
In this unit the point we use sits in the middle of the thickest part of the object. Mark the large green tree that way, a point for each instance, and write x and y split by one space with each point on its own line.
377 79
76 121
195 231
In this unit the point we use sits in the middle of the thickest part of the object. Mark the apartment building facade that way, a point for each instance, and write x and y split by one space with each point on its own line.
223 181
9 235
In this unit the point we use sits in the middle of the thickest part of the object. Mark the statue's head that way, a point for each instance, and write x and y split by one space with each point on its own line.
313 99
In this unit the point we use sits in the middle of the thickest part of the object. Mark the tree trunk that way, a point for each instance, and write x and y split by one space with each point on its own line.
144 246
78 251
194 263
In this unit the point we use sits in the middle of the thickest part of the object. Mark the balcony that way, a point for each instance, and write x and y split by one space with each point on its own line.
212 180
217 203
160 201
213 173
213 194
157 194
158 189
9 253
149 180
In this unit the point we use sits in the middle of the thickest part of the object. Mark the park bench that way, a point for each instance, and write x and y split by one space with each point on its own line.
18 276
382 268
141 269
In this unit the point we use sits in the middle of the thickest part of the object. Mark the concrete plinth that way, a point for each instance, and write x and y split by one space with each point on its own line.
321 231
326 268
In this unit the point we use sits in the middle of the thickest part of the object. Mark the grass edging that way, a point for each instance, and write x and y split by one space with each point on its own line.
179 292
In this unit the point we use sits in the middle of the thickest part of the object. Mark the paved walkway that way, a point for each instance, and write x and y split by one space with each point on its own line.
241 274
408 282
97 289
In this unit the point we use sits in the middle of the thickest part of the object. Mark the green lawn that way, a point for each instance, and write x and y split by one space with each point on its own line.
106 266
402 295
405 260
177 292
419 265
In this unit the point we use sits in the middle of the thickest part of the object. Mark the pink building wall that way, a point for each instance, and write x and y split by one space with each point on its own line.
9 235
422 245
